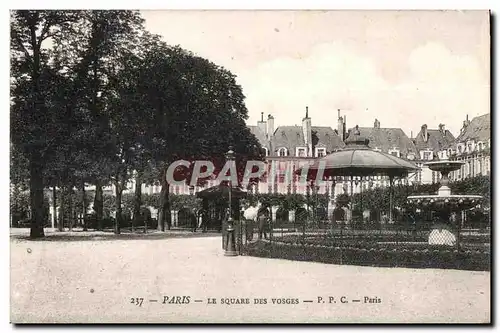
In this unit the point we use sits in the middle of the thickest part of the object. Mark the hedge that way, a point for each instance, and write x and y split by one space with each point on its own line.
386 256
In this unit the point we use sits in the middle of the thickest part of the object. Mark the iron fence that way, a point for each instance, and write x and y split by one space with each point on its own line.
423 244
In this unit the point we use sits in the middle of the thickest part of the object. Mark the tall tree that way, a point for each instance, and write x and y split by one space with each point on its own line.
92 55
31 126
188 103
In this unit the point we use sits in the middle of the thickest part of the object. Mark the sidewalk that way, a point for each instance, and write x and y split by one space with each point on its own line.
97 281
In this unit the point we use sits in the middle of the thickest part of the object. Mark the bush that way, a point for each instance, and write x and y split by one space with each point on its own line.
401 256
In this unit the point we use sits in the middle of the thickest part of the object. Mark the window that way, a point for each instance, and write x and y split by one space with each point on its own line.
266 152
281 178
460 149
427 155
320 152
479 146
394 151
301 152
282 152
377 149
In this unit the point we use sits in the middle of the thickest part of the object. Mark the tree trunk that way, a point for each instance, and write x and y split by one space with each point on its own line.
54 205
118 206
62 200
70 208
98 204
137 202
36 197
164 218
84 206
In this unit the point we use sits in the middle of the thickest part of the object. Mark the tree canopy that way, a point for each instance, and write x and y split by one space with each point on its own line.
97 100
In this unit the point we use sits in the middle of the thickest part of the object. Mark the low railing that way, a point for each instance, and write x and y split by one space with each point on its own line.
399 244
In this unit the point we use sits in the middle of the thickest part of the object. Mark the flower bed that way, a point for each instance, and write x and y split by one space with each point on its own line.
381 255
474 242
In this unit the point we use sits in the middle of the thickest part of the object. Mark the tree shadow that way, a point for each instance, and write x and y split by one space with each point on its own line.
77 236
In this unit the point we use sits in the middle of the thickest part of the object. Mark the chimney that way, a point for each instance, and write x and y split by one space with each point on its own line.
376 124
270 126
425 135
441 128
411 134
340 126
262 124
307 132
344 129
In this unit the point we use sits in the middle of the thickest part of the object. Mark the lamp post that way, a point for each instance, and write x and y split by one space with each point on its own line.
230 249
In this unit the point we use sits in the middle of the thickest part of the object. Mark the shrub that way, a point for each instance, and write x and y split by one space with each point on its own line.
364 252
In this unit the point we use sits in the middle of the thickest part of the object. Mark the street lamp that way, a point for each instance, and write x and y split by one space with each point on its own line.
230 249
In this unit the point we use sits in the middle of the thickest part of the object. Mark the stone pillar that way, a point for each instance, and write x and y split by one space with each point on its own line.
348 214
274 209
331 201
53 216
173 217
154 212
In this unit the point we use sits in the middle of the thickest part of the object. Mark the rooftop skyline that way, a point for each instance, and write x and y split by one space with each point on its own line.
404 68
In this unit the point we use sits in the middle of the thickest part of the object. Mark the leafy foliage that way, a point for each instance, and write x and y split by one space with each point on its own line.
108 101
377 199
286 201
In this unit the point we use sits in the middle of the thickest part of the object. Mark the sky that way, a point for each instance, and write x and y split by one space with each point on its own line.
404 68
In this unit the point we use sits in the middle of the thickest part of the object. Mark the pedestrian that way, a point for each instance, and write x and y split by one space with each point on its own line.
263 221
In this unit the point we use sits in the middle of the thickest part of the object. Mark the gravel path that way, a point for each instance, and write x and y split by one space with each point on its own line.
94 281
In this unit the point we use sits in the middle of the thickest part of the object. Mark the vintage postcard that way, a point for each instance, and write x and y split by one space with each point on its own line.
250 166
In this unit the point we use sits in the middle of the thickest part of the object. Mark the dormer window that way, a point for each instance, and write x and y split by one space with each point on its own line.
301 152
320 152
266 152
394 152
410 156
282 152
427 155
460 149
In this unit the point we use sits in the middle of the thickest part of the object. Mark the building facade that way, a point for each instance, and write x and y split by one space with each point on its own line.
430 145
472 146
289 148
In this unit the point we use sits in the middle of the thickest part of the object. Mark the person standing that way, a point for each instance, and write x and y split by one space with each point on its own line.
263 221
